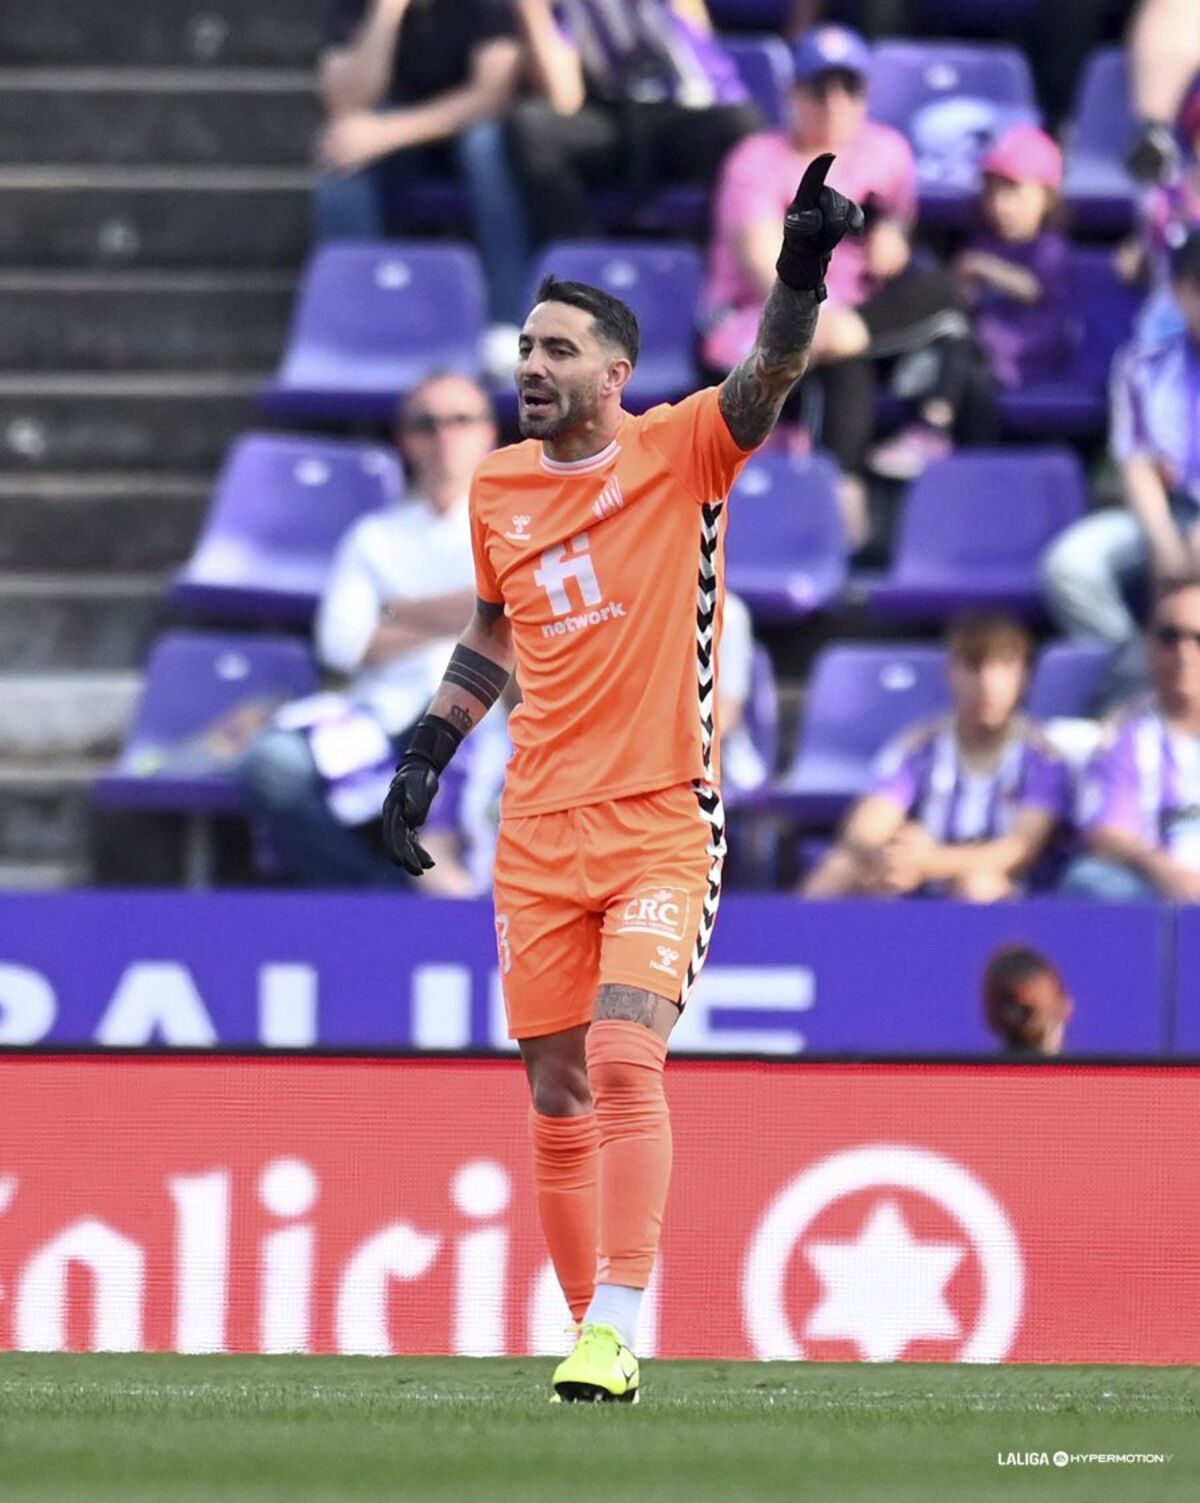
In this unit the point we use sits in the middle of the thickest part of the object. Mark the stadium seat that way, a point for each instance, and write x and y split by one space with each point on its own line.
661 283
786 547
1097 188
950 99
1067 679
973 530
280 507
370 322
766 68
762 708
859 696
203 699
1075 404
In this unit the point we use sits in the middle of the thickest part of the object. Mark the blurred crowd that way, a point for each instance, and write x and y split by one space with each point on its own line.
536 108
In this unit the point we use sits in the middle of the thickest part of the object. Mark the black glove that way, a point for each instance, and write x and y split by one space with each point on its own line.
1154 156
816 220
406 807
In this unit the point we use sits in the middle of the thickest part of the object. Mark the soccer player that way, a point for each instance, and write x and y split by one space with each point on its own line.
598 554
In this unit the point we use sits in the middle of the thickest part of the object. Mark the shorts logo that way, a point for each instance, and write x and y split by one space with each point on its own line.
503 948
666 960
662 911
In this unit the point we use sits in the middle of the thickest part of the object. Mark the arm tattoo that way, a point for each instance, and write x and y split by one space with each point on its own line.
753 393
628 1003
479 676
462 720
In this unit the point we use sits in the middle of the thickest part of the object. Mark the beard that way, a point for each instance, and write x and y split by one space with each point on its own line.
552 422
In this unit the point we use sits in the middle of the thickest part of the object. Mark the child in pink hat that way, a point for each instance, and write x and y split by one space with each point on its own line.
1013 270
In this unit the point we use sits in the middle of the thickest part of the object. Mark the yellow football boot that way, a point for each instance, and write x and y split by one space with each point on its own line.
601 1370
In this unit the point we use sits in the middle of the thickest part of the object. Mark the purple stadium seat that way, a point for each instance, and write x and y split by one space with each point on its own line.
1067 679
950 99
280 507
762 708
859 696
973 529
766 68
661 283
203 698
1075 404
371 321
1100 192
786 547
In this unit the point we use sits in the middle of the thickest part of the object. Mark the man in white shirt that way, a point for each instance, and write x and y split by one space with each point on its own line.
399 591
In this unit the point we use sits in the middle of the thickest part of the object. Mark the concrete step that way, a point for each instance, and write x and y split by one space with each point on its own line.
246 218
90 521
161 422
282 33
129 321
52 717
223 117
45 812
58 622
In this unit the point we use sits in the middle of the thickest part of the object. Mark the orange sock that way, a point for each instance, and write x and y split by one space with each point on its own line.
625 1071
564 1176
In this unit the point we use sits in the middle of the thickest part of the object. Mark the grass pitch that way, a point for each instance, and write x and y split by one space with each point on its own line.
96 1429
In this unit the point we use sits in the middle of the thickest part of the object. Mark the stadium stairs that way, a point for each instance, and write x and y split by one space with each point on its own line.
153 210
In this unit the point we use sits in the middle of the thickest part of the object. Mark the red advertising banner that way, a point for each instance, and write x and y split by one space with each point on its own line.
833 1212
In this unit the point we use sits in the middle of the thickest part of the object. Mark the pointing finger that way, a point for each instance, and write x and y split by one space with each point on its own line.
808 194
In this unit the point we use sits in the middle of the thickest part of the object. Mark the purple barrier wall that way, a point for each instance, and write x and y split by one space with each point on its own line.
312 971
1187 982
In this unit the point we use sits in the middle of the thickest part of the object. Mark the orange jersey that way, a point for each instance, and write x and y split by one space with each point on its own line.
611 570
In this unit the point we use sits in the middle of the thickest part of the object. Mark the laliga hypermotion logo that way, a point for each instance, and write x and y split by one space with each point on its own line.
887 1285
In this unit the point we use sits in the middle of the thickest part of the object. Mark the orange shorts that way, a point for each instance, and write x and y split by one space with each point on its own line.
624 891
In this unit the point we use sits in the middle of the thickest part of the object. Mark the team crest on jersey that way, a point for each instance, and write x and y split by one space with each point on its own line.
661 911
520 530
610 499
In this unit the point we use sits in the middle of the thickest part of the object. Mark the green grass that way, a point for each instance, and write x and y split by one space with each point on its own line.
90 1429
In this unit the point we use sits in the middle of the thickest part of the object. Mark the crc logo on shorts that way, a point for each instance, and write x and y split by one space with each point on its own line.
662 911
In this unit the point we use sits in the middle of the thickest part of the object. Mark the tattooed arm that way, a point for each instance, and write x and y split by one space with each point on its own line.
475 677
478 670
753 394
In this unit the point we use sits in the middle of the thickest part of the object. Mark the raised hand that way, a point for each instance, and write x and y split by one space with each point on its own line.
816 220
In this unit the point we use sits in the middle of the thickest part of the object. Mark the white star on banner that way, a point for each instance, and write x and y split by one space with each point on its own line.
884 1290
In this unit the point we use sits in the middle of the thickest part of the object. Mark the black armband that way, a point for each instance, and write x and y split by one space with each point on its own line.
433 741
478 675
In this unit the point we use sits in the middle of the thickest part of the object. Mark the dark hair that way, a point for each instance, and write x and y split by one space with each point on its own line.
1185 260
616 322
445 373
978 636
1008 969
1166 588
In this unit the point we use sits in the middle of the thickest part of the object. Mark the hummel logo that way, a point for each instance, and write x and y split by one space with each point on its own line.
520 532
666 959
610 499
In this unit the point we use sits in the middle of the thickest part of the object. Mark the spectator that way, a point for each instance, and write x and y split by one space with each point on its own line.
401 586
413 90
1168 213
881 303
1155 439
964 805
631 92
1013 270
1164 57
1025 1001
1140 804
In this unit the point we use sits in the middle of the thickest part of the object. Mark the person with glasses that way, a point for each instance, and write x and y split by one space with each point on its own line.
1139 804
1155 440
401 583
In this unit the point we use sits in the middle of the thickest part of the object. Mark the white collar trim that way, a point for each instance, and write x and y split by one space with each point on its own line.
580 466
